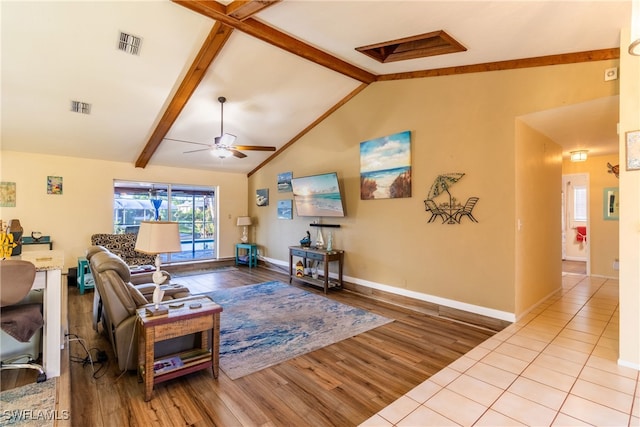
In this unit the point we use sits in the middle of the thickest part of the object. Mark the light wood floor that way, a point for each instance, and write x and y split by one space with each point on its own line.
342 384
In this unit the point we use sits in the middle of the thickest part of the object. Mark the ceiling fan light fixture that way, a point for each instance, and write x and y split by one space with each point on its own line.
221 152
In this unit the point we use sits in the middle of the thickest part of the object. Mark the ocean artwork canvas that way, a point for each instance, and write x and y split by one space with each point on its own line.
385 167
318 195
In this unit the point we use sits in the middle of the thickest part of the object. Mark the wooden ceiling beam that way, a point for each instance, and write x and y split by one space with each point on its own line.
212 46
539 61
243 9
252 27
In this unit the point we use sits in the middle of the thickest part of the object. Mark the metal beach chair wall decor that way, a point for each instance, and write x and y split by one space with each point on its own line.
453 211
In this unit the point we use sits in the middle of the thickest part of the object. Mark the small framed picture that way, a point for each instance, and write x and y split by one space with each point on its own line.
262 197
633 150
285 209
54 185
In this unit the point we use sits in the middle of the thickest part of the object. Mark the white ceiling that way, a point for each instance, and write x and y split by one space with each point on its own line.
54 52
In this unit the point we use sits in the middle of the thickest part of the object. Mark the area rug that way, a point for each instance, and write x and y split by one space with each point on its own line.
30 405
265 324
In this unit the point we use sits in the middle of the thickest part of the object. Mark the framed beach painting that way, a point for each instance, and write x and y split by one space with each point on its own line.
284 182
385 167
285 209
262 197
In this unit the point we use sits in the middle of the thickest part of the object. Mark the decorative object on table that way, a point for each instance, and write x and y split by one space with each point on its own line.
453 211
299 269
268 323
262 197
284 182
385 167
330 242
157 237
613 169
319 239
36 236
54 185
611 203
244 222
156 201
633 150
285 209
306 241
16 231
6 244
7 194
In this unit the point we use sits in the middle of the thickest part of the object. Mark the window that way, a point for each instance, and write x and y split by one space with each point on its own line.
580 203
194 208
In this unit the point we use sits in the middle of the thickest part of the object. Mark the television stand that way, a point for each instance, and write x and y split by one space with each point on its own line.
316 254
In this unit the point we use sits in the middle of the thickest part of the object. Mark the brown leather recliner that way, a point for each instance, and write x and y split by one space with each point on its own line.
120 300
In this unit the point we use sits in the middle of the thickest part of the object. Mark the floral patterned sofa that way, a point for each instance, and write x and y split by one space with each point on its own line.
124 246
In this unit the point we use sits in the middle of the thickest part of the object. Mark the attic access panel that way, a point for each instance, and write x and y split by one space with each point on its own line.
420 46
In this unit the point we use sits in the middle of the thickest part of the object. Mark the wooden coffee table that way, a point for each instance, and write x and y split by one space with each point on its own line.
178 322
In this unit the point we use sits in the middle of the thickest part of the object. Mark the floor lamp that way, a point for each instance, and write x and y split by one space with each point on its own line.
155 238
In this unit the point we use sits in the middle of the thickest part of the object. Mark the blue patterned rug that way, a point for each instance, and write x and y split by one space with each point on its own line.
265 324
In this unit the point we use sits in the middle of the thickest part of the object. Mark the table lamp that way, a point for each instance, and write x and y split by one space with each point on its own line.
244 221
157 237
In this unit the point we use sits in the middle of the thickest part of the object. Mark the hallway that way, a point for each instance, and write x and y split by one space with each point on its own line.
556 366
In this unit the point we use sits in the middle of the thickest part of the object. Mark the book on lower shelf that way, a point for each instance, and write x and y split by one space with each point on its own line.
166 365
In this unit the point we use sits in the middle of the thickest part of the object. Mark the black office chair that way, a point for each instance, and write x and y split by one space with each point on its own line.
21 320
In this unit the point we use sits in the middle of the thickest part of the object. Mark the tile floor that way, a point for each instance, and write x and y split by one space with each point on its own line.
555 367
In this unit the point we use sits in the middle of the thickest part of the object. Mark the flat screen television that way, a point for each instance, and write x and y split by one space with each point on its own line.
318 195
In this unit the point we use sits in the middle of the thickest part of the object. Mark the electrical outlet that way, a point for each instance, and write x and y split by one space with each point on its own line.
616 265
610 74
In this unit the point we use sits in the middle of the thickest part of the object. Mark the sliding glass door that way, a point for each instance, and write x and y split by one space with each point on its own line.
194 208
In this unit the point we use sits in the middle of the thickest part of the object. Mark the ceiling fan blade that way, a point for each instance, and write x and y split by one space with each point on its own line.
237 154
188 142
225 139
195 151
253 148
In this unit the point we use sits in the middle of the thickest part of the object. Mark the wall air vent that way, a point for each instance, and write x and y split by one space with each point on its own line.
421 46
129 43
80 107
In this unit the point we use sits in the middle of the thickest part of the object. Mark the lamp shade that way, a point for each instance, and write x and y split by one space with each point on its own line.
244 220
157 237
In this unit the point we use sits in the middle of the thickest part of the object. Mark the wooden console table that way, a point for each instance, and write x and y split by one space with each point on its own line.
178 322
314 254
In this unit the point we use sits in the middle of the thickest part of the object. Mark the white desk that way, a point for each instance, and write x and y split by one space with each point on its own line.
49 266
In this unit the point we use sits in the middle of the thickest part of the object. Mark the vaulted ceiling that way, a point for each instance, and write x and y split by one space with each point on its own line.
283 66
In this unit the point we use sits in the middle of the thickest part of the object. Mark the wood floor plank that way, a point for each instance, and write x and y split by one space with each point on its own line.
341 384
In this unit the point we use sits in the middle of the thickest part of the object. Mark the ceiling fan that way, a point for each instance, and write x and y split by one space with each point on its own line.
223 146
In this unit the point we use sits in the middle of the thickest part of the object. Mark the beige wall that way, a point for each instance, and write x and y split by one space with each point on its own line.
86 205
459 124
602 234
629 211
538 204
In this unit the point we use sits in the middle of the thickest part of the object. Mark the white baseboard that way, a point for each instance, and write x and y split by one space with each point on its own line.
626 364
471 308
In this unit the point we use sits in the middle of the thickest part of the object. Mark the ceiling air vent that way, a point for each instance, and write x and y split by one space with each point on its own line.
429 44
129 43
80 107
